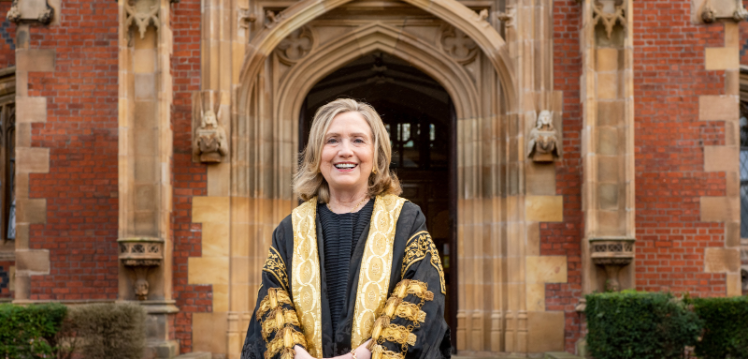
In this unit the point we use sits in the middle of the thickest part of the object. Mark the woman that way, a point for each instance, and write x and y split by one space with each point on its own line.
352 272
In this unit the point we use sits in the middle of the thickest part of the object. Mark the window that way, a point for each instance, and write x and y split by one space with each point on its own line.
7 154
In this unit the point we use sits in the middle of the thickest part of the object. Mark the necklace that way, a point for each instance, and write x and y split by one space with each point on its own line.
352 209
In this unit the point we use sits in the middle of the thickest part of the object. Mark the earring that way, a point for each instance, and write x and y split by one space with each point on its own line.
374 170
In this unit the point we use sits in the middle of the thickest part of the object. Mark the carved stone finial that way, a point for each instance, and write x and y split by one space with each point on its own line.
483 15
543 142
210 144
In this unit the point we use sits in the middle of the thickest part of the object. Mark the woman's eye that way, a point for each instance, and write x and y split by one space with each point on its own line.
332 140
359 140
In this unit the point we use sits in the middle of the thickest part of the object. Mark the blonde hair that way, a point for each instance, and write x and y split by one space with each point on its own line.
309 182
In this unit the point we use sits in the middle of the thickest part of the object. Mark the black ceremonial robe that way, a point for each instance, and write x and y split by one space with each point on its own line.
395 293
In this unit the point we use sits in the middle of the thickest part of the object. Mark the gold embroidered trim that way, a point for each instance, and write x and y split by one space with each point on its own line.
391 306
410 311
398 334
285 340
306 275
278 319
376 266
418 246
417 288
378 352
274 297
274 265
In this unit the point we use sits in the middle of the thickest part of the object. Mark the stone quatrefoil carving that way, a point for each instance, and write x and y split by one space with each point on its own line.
458 45
296 45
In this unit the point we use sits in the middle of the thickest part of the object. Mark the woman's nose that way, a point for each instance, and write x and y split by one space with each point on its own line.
345 148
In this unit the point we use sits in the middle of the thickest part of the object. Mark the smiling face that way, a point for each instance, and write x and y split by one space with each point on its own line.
347 153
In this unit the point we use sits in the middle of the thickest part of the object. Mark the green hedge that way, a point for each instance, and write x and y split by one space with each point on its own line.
94 331
111 331
725 327
30 332
637 325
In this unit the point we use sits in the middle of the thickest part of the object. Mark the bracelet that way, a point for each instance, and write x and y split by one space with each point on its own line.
353 354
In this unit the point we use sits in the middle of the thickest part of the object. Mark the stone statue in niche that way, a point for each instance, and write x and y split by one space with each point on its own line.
542 145
210 139
141 289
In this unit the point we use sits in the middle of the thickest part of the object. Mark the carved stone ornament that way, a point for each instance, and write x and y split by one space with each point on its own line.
210 144
296 45
142 13
507 18
542 145
612 254
609 12
723 9
31 10
458 45
246 17
273 17
140 255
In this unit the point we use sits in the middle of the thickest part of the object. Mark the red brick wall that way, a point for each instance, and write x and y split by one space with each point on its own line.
7 38
669 77
190 179
670 178
565 238
81 133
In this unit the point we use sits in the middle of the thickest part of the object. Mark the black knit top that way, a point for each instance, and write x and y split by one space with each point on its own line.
342 232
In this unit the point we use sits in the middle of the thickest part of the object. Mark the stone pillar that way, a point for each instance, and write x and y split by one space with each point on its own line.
723 158
145 159
30 110
608 146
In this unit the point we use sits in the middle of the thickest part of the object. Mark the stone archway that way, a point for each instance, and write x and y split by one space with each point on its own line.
264 142
452 12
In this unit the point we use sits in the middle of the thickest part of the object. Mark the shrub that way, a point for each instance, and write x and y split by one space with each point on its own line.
725 327
30 332
639 325
112 331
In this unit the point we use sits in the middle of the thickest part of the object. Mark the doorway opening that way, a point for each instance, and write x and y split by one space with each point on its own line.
420 119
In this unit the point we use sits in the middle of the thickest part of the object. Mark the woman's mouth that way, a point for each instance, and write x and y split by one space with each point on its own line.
345 166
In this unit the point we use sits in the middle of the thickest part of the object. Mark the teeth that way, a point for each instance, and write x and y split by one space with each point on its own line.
345 165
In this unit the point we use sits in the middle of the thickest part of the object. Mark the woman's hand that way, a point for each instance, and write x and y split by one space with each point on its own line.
361 353
301 353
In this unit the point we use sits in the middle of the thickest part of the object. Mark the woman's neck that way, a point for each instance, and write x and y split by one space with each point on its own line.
344 201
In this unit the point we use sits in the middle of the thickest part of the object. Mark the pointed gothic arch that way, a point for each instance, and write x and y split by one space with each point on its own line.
451 11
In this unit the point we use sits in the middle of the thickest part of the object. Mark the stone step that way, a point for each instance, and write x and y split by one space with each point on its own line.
560 355
195 355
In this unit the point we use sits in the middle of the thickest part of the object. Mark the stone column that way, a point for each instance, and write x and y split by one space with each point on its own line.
608 145
145 159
